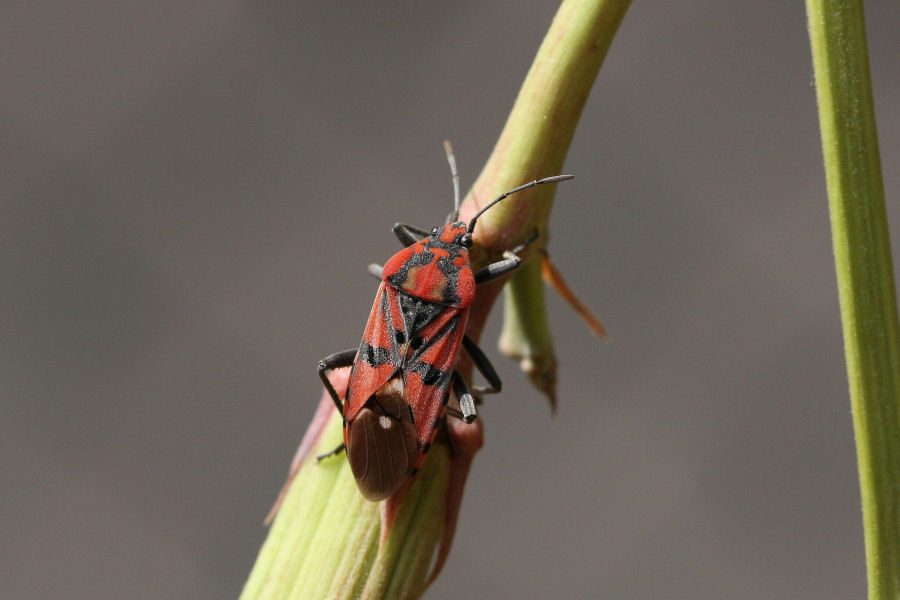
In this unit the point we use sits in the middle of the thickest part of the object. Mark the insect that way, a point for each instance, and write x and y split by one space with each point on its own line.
404 367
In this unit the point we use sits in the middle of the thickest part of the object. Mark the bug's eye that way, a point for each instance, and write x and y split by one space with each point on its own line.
465 240
434 231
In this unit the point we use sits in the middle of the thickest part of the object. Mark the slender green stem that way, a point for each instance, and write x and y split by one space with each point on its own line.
526 334
534 143
865 275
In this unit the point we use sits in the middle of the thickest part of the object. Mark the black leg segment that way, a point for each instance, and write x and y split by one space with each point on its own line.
334 452
335 361
407 234
484 366
510 262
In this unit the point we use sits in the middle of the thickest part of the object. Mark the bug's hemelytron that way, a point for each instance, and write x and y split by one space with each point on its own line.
403 369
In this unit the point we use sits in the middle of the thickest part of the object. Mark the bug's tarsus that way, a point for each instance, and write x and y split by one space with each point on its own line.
526 243
334 452
375 270
524 186
464 396
448 150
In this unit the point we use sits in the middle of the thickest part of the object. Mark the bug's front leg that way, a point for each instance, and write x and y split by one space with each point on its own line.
407 234
511 261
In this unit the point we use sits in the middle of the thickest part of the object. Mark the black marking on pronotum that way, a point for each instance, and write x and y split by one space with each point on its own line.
446 266
451 275
434 241
416 259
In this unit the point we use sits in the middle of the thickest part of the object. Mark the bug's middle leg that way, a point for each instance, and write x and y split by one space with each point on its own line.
375 270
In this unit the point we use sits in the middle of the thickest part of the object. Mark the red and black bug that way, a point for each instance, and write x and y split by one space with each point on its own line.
404 368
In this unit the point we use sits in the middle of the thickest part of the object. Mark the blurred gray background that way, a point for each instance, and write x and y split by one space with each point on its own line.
191 192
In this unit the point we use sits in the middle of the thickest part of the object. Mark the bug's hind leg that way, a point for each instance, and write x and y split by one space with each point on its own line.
329 363
511 261
334 452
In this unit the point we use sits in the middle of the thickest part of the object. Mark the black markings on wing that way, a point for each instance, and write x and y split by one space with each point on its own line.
383 330
430 374
393 330
375 356
436 375
439 338
448 269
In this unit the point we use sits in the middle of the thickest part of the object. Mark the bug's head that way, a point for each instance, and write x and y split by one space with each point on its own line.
454 233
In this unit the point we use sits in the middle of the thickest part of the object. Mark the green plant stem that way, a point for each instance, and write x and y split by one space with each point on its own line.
530 342
535 140
862 257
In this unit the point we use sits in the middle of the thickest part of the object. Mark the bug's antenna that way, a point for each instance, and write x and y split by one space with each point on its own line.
553 179
448 149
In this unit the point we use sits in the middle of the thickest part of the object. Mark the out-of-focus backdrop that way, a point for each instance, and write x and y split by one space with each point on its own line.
190 193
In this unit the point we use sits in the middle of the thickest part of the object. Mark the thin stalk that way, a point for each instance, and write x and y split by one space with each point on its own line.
862 256
533 144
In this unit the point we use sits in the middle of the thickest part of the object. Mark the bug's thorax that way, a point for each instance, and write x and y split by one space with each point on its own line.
435 269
